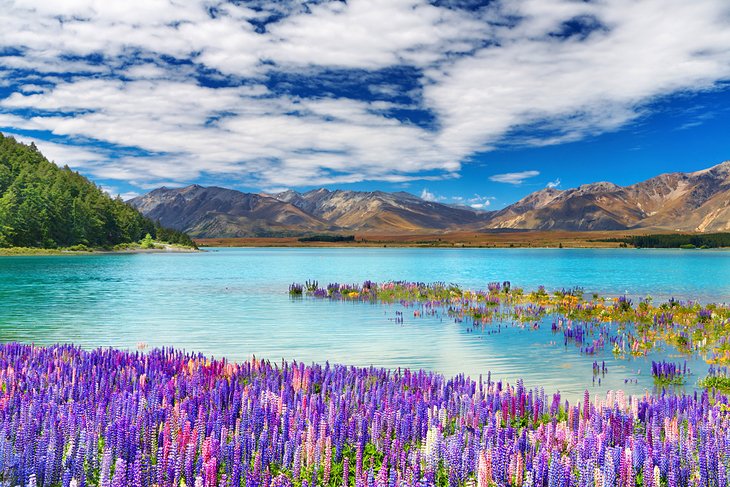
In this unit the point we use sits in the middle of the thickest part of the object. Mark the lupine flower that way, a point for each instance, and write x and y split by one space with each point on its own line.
668 372
212 423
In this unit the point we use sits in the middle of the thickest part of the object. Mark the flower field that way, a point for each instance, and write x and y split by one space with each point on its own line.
70 417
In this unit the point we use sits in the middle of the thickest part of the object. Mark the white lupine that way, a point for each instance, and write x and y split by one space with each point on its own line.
442 417
597 477
529 480
432 438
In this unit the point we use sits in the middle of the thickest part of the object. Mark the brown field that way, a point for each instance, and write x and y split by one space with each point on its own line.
535 239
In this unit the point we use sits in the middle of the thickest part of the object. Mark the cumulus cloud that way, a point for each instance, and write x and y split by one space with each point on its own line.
427 195
157 91
515 178
553 184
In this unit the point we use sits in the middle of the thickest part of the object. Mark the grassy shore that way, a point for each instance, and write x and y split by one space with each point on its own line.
11 251
159 248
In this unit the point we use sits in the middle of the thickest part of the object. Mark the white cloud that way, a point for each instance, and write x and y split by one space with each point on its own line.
479 202
114 192
514 177
100 71
372 34
553 184
579 87
427 195
476 201
128 195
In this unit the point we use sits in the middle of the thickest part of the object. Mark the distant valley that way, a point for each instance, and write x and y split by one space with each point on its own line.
690 202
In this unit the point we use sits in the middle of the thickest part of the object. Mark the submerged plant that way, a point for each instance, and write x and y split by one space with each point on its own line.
669 373
718 378
590 323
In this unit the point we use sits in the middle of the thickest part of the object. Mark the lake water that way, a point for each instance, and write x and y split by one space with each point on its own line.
234 303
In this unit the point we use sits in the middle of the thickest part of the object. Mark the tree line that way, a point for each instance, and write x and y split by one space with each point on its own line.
328 238
43 205
675 240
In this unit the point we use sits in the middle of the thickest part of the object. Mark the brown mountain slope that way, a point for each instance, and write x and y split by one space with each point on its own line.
598 206
219 212
698 202
695 201
379 211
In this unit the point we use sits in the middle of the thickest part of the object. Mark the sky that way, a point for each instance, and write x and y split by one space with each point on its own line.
459 101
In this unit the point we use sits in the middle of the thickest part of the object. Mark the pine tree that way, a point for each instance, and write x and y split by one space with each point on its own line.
42 205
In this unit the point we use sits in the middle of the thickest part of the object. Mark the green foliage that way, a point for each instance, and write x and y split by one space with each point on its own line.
4 251
78 248
719 383
44 206
675 240
147 242
173 236
664 381
328 238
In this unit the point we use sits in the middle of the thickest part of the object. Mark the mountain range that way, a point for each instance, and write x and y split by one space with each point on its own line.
695 202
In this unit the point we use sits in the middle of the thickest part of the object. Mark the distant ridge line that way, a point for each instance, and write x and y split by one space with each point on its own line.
695 202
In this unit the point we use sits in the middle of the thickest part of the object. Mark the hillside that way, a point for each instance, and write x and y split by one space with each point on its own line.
223 212
695 202
598 206
698 201
42 205
218 212
380 211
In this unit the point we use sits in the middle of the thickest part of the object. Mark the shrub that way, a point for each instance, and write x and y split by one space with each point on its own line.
147 242
78 248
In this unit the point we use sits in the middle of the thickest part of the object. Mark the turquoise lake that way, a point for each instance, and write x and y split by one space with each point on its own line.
234 303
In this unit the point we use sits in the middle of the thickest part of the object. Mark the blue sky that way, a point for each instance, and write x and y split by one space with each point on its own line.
477 103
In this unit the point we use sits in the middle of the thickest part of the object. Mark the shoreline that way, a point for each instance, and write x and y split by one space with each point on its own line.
38 252
551 239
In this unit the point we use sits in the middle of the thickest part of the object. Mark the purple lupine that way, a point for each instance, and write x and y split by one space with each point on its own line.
105 472
120 473
166 416
345 472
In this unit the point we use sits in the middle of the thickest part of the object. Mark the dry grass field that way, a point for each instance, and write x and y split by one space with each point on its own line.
523 239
